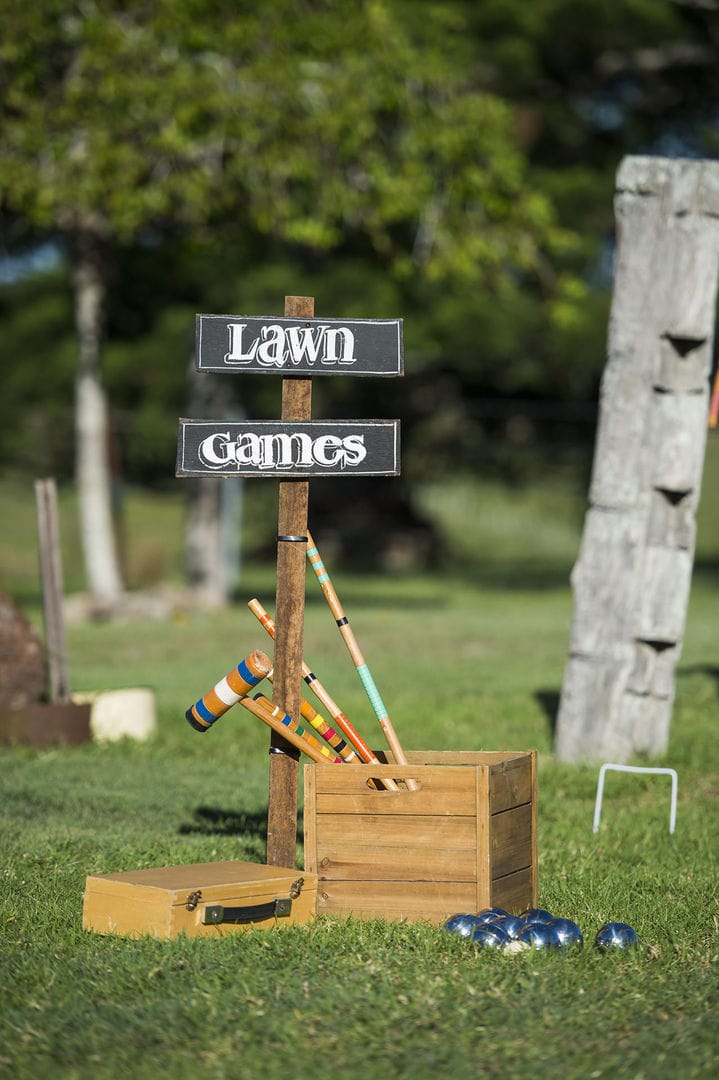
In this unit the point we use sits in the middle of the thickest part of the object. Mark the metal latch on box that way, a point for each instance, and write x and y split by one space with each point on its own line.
281 907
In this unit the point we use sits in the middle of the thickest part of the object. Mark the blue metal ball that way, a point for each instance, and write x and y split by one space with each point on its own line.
539 936
462 924
490 936
511 924
568 932
537 915
616 935
489 915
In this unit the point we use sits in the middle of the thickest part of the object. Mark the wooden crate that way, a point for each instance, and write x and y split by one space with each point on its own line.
466 840
198 899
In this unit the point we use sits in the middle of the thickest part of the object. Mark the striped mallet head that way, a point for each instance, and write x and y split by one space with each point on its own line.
228 691
318 722
290 729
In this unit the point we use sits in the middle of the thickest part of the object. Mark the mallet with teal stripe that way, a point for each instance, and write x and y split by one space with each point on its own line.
358 659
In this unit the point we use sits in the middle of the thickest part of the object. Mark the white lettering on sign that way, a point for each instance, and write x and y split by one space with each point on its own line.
280 347
281 451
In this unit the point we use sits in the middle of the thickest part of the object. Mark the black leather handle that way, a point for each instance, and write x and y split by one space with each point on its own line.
216 914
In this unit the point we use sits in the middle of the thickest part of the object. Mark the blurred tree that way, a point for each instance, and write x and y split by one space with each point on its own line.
589 81
402 156
92 152
307 121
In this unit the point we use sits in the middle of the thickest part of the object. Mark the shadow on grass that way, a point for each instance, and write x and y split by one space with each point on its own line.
353 594
707 567
216 821
701 669
531 573
513 574
549 701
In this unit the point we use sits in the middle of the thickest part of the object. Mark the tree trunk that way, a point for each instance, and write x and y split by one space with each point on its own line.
92 433
214 503
632 578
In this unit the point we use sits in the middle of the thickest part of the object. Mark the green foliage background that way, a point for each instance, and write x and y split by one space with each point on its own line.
449 163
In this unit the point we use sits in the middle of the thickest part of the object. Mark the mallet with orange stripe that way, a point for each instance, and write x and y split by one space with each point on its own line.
228 691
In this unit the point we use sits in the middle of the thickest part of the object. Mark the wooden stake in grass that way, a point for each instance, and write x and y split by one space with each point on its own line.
52 590
290 609
357 658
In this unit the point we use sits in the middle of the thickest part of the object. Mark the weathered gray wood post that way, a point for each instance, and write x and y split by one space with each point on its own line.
632 577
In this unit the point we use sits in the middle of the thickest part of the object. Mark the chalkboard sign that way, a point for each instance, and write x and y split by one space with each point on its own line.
266 345
288 449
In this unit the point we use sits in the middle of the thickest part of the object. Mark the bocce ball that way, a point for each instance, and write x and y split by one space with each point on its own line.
568 932
462 924
489 915
539 936
489 935
511 924
616 935
537 915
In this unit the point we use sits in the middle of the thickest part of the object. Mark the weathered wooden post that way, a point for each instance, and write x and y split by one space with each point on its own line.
52 590
293 502
632 578
297 346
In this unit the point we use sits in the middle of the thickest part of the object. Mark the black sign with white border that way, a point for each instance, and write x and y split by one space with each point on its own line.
267 345
288 449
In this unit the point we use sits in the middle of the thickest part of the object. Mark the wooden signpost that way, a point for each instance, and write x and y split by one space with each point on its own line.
298 347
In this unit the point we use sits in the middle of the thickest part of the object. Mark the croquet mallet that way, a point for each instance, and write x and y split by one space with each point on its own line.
358 659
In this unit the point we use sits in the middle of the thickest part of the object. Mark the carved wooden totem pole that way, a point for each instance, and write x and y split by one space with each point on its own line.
632 577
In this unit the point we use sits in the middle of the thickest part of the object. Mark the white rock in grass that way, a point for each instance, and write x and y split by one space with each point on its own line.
516 947
122 714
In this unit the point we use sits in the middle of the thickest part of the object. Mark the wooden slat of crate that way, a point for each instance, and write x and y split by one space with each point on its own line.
339 794
454 757
511 784
422 830
431 901
367 862
514 892
511 840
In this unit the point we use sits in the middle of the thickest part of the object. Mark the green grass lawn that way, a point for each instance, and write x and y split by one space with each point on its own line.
468 659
